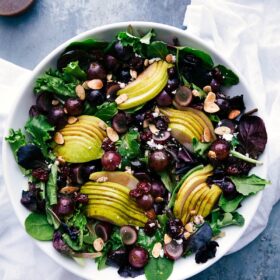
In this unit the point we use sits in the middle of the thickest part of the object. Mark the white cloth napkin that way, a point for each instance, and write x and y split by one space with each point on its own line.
248 34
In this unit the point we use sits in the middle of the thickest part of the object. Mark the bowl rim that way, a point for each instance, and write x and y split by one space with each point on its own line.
90 33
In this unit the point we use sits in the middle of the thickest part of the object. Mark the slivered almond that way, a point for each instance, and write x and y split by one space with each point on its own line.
72 119
133 74
68 189
189 227
65 110
156 250
55 102
207 137
221 130
167 239
112 134
153 128
102 125
207 88
80 92
145 124
95 84
98 244
109 77
169 58
58 138
233 114
210 107
102 179
121 99
211 97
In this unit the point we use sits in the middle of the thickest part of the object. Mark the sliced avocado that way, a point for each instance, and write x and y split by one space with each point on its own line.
122 178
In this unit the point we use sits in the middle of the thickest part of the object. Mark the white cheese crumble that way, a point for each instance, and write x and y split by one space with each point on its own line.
228 136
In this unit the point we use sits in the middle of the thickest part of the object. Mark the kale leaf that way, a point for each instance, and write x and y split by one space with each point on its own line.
73 70
16 139
106 111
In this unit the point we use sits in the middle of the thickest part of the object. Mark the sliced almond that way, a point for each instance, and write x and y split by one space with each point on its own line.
72 120
150 214
61 160
167 239
102 125
55 102
98 244
195 93
65 110
95 84
102 179
189 227
221 130
157 110
233 114
146 62
58 138
153 129
169 58
145 123
80 92
109 77
207 88
212 154
187 235
112 134
156 250
211 97
133 74
159 199
68 189
84 85
121 99
207 137
210 107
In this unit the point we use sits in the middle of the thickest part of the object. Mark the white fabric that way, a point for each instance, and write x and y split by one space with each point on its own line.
248 34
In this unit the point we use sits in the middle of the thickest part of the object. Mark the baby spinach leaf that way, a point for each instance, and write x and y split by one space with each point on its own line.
106 111
160 269
89 109
39 129
148 242
135 109
205 57
73 69
230 205
157 49
38 227
247 185
214 118
16 139
88 44
230 78
56 82
51 187
166 180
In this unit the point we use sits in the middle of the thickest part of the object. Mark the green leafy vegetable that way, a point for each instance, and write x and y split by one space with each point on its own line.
220 220
148 242
56 82
159 269
234 142
157 49
244 157
16 139
89 109
135 109
106 111
230 205
39 129
38 227
73 69
166 180
129 146
214 118
88 44
247 185
205 57
51 188
200 148
230 78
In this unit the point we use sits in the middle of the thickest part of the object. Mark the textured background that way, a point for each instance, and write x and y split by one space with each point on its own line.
28 38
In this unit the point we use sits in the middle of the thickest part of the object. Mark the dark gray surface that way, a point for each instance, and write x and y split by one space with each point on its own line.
28 38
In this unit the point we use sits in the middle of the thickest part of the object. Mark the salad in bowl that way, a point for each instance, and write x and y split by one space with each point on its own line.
136 155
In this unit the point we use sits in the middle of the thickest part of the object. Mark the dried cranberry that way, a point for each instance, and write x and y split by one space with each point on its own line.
144 187
81 198
135 193
175 228
108 145
41 174
146 135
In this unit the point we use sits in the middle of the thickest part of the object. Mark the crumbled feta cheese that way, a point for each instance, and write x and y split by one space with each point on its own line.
228 136
179 241
155 115
161 253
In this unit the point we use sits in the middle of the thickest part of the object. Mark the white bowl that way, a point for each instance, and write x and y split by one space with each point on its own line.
183 268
